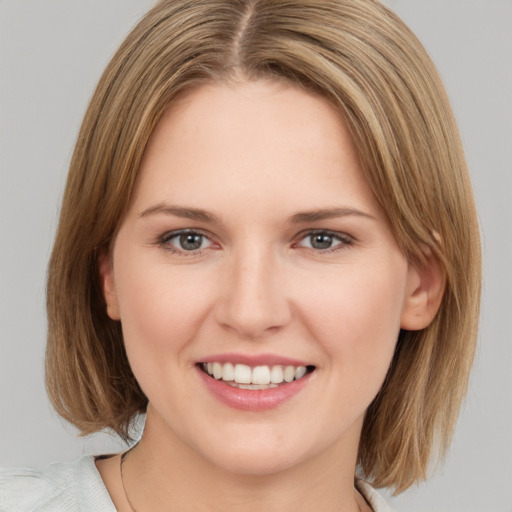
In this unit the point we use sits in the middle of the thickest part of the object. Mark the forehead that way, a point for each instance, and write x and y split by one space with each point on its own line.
251 140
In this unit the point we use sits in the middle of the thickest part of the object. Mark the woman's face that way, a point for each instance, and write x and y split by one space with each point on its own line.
254 240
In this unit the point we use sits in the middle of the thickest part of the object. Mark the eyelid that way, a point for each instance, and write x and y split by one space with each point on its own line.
345 240
175 232
164 241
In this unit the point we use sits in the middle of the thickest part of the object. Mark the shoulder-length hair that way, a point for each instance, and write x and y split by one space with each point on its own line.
368 64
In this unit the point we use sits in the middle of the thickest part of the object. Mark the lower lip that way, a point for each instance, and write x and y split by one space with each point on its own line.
253 399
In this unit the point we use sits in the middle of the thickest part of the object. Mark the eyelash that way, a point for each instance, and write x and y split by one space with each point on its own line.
165 241
344 241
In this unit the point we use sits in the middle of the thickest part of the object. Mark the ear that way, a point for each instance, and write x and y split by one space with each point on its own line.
426 283
108 284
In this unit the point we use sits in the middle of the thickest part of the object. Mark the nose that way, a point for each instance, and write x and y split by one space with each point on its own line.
253 302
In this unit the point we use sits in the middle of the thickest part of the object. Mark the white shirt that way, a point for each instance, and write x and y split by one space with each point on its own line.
78 487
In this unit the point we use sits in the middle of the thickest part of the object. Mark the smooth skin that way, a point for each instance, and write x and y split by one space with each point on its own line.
286 252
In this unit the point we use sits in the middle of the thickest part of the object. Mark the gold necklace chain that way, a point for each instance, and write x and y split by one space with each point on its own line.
121 463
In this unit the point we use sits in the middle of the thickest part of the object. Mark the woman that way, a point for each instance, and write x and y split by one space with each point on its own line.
268 243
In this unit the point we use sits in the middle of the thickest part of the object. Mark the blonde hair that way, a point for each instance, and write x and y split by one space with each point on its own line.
359 55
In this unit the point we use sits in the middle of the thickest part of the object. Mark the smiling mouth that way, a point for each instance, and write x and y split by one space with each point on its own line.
255 377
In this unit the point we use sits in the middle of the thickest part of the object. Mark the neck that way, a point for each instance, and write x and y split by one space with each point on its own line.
158 473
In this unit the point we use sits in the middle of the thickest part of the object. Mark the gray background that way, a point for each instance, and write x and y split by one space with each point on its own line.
51 55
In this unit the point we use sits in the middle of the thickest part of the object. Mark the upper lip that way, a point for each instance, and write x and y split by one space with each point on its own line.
254 359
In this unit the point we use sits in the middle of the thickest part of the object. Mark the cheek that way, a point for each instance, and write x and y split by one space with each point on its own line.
161 310
356 316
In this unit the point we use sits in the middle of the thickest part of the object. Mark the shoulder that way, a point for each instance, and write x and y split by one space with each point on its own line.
373 498
57 488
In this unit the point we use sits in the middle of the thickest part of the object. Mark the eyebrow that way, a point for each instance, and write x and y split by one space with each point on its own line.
206 216
180 211
328 213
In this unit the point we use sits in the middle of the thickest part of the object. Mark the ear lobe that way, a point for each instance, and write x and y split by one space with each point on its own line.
108 285
426 283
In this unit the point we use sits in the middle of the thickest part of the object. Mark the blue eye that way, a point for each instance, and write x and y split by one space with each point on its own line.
186 241
324 240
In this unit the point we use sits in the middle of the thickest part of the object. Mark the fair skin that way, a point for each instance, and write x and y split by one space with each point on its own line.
287 260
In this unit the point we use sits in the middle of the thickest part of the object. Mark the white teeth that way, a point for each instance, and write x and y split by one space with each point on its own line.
252 386
243 374
217 370
300 371
276 375
259 377
228 372
289 373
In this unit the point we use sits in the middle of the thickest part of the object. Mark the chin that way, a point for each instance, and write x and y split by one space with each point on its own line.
259 452
255 462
